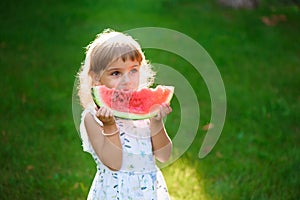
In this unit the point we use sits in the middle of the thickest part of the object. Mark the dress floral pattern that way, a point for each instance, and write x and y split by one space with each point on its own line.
139 178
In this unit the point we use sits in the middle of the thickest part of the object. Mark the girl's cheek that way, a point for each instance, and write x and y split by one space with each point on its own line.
114 84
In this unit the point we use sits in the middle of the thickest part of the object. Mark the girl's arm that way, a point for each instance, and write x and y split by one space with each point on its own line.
107 147
161 142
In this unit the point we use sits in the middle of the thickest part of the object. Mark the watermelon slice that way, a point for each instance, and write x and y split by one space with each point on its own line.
140 104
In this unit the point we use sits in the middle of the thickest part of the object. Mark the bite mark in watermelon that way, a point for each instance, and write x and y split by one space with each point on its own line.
140 104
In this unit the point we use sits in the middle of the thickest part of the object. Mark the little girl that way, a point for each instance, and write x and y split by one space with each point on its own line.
124 150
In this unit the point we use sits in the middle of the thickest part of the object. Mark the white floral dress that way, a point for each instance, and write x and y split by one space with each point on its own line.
139 178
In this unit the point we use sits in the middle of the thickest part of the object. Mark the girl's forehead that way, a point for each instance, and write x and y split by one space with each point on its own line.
119 63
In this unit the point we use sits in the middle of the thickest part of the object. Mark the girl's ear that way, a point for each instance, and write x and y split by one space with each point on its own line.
96 83
95 78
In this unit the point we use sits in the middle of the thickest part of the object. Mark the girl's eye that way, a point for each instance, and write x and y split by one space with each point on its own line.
134 70
115 73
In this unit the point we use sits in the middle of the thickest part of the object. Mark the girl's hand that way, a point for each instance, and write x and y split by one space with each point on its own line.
165 109
105 115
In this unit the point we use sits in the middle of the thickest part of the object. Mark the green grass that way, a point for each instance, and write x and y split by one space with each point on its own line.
257 156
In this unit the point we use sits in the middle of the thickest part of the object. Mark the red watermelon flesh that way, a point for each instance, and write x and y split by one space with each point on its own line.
138 104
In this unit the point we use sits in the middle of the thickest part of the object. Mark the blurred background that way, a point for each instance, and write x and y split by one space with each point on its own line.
255 45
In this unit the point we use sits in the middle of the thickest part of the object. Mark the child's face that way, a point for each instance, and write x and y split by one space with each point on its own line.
122 75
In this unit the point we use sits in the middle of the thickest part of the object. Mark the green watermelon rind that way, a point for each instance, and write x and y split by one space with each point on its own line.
96 97
126 115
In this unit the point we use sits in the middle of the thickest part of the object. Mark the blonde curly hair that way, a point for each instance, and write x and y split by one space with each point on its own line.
109 46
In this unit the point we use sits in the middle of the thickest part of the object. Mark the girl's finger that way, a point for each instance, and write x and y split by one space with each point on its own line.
111 114
107 113
98 113
101 110
158 116
165 110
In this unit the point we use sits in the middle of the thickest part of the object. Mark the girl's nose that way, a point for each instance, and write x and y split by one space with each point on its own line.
126 78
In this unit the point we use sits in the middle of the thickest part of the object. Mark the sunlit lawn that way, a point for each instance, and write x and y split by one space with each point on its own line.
257 156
